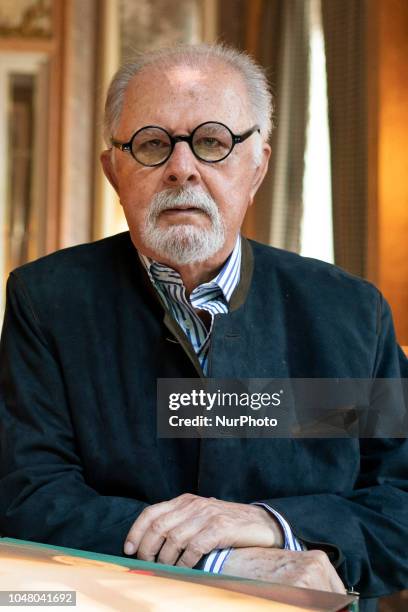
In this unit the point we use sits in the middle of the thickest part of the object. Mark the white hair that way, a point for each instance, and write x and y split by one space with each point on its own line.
259 94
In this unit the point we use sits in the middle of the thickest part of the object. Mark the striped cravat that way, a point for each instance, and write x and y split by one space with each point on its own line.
212 297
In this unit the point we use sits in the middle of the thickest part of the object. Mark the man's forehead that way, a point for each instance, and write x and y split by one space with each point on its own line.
181 80
189 88
185 75
211 76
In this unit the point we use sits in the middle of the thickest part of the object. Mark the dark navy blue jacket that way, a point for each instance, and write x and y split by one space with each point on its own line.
83 342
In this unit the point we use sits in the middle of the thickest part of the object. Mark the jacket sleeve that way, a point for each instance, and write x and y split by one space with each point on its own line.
43 494
365 532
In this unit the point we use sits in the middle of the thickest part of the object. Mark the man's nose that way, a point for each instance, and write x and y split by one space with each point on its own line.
181 168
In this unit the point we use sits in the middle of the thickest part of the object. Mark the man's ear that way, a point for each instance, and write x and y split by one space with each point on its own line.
108 169
260 171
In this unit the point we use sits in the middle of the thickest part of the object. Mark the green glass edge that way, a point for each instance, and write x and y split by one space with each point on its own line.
131 563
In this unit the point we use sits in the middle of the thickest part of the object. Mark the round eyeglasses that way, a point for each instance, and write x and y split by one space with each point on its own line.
210 142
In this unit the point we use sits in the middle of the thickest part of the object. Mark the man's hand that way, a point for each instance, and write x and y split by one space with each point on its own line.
310 569
180 531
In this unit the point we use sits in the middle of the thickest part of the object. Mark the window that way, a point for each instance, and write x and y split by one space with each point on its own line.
317 223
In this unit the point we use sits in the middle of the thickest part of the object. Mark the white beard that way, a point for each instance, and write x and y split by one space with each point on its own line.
183 243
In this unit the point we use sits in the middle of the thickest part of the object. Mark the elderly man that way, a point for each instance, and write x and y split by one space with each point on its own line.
90 329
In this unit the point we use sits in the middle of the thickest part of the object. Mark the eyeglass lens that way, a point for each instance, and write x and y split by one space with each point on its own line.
151 146
211 142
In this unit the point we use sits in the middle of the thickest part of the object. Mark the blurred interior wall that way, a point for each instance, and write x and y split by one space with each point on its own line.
389 158
344 25
77 125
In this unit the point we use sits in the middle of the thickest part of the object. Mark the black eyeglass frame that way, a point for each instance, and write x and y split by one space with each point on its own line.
236 139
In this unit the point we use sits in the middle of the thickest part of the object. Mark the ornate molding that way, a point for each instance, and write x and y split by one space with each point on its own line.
35 22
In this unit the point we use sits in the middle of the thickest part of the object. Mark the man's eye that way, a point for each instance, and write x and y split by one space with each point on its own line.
155 143
209 142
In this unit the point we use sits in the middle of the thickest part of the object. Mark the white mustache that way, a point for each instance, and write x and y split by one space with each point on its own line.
183 198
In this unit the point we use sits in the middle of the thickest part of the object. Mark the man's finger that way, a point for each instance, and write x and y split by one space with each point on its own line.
190 558
179 538
204 542
145 519
159 534
323 565
140 525
170 551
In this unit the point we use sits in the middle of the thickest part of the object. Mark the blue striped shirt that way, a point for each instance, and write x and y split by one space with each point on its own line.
212 297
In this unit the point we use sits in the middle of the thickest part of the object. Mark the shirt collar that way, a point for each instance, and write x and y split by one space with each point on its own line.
226 280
